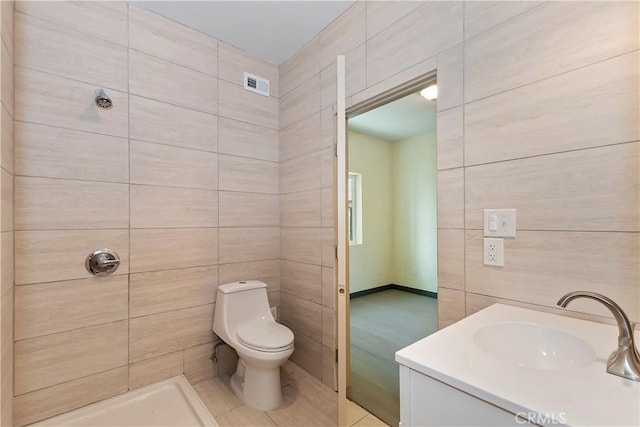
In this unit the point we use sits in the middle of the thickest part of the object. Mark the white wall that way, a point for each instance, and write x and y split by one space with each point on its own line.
372 262
399 212
414 248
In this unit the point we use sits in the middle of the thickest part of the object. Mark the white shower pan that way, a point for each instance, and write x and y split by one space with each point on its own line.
171 402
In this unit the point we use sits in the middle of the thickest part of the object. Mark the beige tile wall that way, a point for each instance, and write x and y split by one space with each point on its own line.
535 112
6 212
180 178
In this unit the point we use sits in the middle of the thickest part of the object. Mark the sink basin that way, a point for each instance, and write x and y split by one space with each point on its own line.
534 346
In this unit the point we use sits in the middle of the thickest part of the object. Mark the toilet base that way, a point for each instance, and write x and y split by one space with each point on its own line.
259 389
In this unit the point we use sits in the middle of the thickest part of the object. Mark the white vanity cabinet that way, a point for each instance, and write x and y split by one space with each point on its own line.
425 401
509 366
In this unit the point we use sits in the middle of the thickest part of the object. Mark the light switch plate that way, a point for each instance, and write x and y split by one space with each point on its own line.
499 223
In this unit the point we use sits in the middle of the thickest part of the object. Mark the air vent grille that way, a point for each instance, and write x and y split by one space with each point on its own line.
256 84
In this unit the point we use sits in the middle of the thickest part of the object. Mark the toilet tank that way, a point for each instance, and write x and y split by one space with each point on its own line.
237 302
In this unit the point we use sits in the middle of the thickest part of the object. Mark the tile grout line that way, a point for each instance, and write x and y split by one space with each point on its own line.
129 188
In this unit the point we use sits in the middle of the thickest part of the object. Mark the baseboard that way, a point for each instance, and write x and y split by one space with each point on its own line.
393 286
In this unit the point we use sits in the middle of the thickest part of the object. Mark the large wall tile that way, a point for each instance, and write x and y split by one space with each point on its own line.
480 16
156 121
248 209
562 113
450 138
162 207
51 100
163 333
103 19
302 244
300 138
344 34
52 359
157 164
164 81
235 62
300 102
304 64
328 326
248 175
328 247
65 397
328 207
355 78
451 306
7 257
6 139
431 28
300 174
199 364
44 203
161 249
267 271
451 258
249 244
153 370
594 189
166 290
6 26
308 356
247 140
167 39
301 209
381 14
7 85
302 280
557 37
411 72
52 48
47 151
450 77
7 210
328 287
48 308
36 249
303 315
239 104
541 266
451 198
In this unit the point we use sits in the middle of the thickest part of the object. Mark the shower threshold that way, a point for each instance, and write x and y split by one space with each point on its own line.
171 402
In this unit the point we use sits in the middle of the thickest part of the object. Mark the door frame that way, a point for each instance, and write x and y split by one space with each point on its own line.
342 242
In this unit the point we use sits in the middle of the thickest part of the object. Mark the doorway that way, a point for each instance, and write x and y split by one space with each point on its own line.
392 251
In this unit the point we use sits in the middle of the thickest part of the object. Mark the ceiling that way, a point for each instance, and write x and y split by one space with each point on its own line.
401 119
271 30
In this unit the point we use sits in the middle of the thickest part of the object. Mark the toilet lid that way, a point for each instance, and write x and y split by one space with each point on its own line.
264 334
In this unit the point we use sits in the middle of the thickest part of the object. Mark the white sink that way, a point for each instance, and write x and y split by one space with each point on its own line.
526 361
534 346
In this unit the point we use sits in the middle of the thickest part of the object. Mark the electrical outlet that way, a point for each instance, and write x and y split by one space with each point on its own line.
494 252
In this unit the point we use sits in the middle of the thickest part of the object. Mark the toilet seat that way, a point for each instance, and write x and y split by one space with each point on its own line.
265 335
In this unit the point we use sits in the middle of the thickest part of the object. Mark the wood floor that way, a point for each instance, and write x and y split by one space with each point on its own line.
381 324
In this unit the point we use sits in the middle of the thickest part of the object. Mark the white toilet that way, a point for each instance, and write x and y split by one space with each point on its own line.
243 320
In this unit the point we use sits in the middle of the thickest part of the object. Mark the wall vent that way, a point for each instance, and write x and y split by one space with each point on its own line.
256 84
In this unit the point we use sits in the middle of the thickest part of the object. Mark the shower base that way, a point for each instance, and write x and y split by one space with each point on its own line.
171 402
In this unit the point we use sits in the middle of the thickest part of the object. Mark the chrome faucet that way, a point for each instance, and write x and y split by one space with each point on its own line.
625 360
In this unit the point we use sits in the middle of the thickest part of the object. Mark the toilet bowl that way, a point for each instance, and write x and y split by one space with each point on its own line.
243 320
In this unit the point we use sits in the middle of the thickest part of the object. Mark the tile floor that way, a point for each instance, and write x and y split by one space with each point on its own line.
307 402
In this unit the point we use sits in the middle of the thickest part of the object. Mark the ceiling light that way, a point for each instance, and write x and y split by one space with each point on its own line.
430 93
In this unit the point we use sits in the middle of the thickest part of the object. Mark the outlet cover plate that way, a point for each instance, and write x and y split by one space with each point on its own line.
499 223
494 252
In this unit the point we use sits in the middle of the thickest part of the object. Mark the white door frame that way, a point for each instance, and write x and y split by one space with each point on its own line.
342 241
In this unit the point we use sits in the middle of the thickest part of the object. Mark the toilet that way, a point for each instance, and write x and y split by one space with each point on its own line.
243 320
